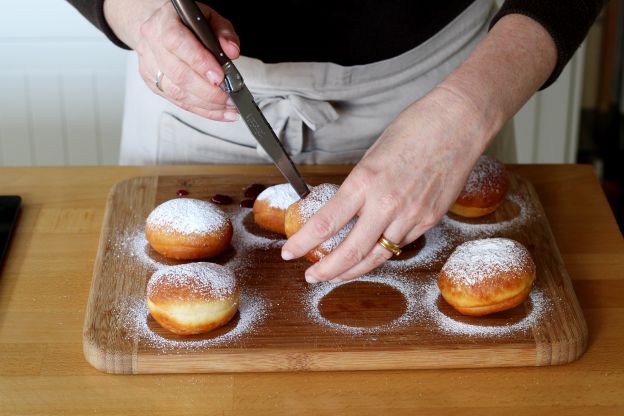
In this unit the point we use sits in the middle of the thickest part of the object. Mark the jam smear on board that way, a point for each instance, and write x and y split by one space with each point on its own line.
253 190
247 203
221 199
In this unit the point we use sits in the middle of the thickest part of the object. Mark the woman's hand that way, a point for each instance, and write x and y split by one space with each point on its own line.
401 188
413 173
191 74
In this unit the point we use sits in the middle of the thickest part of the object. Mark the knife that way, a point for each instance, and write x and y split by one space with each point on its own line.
235 87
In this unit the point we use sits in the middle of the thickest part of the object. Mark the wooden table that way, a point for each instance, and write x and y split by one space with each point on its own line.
45 282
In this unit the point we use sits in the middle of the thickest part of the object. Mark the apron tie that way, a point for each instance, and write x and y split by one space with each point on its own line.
287 115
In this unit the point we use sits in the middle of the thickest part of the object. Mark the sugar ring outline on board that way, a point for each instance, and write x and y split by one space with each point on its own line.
449 325
436 242
407 289
527 212
253 310
243 239
135 245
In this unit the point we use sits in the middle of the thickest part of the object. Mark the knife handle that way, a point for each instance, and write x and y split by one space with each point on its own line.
191 16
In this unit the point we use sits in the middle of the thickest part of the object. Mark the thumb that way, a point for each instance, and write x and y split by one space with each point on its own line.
224 32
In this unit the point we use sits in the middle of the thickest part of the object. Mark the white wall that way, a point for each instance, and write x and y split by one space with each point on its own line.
61 87
547 126
62 81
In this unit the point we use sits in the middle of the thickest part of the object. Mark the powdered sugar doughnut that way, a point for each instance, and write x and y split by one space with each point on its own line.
301 211
484 191
192 298
486 276
270 207
186 228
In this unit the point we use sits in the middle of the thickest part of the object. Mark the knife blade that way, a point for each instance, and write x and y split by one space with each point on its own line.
235 87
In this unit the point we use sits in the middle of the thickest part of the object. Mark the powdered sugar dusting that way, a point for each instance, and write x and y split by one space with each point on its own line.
469 229
316 199
243 240
134 244
279 196
405 286
437 241
188 216
422 305
198 280
318 196
422 297
474 262
334 241
133 314
133 317
486 174
539 306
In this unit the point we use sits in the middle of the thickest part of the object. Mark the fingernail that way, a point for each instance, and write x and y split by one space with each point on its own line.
310 278
230 102
230 116
214 78
287 255
234 45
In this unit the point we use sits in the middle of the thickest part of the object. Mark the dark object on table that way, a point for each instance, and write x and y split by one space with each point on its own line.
9 210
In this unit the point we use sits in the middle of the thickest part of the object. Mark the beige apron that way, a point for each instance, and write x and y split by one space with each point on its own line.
322 112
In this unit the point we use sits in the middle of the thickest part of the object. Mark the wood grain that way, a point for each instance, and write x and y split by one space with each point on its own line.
46 279
287 339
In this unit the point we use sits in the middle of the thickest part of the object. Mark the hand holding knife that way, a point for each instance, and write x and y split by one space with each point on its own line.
234 86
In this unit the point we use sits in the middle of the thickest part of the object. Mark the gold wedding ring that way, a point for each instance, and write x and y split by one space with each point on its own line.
159 77
389 245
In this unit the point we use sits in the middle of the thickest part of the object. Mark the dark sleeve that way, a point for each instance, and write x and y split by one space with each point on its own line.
567 22
93 10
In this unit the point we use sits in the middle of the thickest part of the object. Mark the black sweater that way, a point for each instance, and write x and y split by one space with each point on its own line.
353 32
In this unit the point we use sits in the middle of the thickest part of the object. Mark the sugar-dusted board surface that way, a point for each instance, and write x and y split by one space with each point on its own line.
394 319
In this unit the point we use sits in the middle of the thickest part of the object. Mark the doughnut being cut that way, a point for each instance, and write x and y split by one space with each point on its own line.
192 298
485 276
301 211
485 189
270 207
187 228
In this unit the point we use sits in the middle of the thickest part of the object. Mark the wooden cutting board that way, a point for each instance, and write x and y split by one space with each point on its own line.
393 319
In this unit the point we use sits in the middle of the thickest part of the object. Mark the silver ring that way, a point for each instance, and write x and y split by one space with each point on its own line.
159 77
